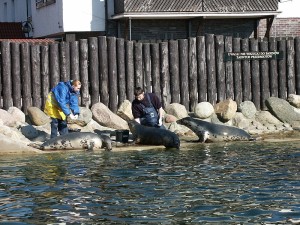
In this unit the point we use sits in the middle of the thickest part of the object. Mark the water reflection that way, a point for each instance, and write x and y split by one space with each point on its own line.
222 183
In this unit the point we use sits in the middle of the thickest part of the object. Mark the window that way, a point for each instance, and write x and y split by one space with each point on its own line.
43 3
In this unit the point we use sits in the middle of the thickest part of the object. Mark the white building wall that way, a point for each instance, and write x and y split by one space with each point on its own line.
68 16
289 8
13 10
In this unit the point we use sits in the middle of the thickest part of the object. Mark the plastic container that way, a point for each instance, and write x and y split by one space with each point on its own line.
122 136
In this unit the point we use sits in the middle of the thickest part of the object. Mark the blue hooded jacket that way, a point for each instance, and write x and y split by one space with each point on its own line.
66 96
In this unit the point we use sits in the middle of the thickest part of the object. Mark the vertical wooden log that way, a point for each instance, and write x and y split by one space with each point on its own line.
202 74
104 96
54 65
165 74
45 73
246 74
1 84
25 77
138 64
74 60
112 74
93 69
273 69
211 68
193 86
221 81
297 64
63 48
121 71
183 72
282 79
36 76
291 80
229 70
147 67
155 69
255 79
129 70
174 71
84 77
16 75
6 75
237 73
265 80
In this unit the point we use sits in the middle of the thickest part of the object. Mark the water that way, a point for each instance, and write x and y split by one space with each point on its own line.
232 183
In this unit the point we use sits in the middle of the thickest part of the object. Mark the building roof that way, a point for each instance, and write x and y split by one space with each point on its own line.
11 30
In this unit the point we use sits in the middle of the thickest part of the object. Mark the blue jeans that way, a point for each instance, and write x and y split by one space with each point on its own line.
58 126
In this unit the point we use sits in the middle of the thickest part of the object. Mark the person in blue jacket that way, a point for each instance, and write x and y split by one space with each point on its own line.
62 103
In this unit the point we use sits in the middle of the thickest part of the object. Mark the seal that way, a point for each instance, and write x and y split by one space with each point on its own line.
210 132
77 140
153 136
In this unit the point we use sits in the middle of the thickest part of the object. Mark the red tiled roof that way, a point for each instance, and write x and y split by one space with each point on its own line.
11 30
31 41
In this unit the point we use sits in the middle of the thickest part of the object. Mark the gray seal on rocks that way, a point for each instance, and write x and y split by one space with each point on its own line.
211 132
153 136
77 140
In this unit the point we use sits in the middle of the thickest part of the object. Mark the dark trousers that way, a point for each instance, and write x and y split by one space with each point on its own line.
58 126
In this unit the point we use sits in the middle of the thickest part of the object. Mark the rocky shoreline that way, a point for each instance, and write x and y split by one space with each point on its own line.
280 121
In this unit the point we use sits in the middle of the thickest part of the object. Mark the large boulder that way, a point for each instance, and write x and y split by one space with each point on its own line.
177 110
294 100
125 111
105 117
226 110
248 109
204 110
8 118
37 116
17 114
282 110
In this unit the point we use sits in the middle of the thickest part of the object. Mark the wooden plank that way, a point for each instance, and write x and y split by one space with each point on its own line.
45 73
174 71
229 69
273 69
54 65
282 75
138 65
36 76
202 73
74 60
93 69
265 80
291 80
121 71
84 74
103 63
147 67
221 81
112 74
255 75
237 73
165 74
183 72
155 69
246 72
16 75
6 75
193 84
211 68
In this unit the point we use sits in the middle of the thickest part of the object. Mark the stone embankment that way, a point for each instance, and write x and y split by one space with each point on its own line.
18 130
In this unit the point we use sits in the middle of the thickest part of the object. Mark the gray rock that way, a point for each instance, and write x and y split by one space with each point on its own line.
282 110
177 110
7 118
226 110
204 110
125 111
248 109
37 116
294 100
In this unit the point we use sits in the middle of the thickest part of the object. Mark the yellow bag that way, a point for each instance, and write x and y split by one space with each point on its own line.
52 109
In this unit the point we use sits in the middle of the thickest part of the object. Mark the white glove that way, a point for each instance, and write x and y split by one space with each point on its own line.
76 117
72 117
160 121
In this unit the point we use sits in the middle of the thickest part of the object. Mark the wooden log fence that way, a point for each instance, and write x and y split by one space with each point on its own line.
185 71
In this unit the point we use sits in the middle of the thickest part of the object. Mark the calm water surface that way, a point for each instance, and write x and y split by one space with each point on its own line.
235 183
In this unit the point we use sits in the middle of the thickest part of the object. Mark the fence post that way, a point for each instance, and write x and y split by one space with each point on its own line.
221 81
129 70
184 72
64 53
147 67
290 67
84 77
121 71
237 73
211 68
16 74
36 76
26 79
297 63
54 65
265 81
201 67
282 71
165 75
74 60
174 71
246 73
255 78
45 73
93 69
155 68
229 70
104 97
138 64
273 69
112 74
193 74
6 75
